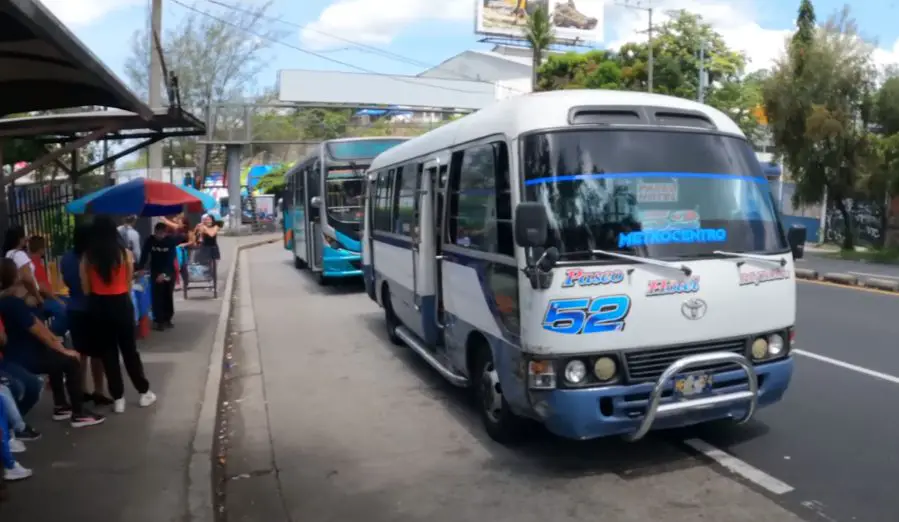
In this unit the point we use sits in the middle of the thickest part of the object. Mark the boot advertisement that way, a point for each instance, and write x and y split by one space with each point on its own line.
572 19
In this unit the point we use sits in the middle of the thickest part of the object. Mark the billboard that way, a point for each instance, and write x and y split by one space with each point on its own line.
571 19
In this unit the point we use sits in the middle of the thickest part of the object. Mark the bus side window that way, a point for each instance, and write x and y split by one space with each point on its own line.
406 198
383 201
504 243
473 199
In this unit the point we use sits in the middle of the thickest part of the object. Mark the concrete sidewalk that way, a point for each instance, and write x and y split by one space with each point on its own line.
134 467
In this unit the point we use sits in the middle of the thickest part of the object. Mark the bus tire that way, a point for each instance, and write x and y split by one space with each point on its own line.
298 263
501 423
322 280
390 318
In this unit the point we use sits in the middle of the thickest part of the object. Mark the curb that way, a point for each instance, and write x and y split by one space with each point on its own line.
200 490
838 278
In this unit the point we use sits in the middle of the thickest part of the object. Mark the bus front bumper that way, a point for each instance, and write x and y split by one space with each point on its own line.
341 263
634 410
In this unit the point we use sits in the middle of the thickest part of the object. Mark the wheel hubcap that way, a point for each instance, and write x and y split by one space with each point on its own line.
491 393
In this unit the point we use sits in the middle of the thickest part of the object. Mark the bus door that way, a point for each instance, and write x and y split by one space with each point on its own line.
316 214
434 185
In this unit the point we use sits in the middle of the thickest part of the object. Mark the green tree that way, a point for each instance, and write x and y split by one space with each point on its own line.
879 179
818 102
539 34
273 182
886 110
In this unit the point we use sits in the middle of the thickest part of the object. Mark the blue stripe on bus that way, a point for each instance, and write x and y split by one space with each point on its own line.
626 175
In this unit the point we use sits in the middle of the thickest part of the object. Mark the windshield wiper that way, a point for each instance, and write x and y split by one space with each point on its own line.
646 260
781 262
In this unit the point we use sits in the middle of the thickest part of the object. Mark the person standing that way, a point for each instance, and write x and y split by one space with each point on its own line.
79 319
131 236
159 251
206 235
107 270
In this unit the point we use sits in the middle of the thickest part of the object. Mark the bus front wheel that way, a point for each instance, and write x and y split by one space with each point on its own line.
501 423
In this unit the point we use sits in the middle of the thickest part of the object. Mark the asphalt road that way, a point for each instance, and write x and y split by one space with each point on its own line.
362 428
825 264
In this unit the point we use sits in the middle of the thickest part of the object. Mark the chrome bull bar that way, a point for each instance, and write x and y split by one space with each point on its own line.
654 409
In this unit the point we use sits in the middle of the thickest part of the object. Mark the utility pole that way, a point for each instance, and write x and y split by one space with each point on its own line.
700 92
154 154
638 5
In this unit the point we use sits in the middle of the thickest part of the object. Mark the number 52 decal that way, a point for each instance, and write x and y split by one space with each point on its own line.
586 315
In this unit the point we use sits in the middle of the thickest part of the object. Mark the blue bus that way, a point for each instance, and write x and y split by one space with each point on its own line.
324 206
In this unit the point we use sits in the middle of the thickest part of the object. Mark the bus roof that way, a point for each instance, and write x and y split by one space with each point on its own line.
545 110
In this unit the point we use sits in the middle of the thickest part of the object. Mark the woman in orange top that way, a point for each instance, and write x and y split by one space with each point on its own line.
107 271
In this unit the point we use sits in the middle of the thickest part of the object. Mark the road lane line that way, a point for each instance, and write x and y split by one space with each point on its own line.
849 366
854 288
735 465
878 276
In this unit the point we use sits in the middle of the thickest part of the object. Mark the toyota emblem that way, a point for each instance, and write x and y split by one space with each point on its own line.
694 309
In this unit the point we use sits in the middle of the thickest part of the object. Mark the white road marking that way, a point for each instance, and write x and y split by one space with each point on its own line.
849 366
878 276
739 467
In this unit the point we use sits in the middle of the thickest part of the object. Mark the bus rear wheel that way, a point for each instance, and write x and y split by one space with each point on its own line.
298 263
501 423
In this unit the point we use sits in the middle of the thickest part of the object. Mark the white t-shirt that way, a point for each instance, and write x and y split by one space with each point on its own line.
21 258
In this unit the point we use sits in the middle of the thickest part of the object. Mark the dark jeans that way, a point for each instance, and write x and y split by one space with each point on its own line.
163 298
65 376
26 386
113 332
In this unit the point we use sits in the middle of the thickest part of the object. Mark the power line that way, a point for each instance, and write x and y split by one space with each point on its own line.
361 46
374 49
316 54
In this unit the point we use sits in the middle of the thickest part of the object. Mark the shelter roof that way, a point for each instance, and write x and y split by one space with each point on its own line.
122 125
44 66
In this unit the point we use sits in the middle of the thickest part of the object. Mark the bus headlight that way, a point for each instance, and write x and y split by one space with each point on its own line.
605 369
759 349
575 372
775 345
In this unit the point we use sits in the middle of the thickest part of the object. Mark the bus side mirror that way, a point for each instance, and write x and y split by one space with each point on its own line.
530 224
316 201
796 236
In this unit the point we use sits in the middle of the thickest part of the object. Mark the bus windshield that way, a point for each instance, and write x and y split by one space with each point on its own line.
345 191
653 193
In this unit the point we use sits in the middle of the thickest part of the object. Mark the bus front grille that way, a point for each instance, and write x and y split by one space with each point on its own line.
648 365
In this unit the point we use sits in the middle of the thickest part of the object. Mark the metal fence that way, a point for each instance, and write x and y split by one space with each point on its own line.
40 210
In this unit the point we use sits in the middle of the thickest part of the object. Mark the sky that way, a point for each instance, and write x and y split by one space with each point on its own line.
423 33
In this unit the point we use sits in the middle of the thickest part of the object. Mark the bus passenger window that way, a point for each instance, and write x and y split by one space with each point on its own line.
480 204
406 182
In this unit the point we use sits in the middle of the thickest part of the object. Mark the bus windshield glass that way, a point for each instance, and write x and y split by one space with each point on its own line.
359 149
652 193
345 191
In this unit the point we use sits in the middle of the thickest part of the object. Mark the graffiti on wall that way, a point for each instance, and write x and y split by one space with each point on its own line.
865 223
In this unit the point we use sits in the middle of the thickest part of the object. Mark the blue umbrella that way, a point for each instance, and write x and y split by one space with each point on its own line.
142 197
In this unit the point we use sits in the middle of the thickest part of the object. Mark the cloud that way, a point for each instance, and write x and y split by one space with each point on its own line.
84 12
378 21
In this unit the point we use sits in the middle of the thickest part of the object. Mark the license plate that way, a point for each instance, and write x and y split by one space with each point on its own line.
692 384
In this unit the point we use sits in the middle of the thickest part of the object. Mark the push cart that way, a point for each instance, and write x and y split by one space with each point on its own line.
200 272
